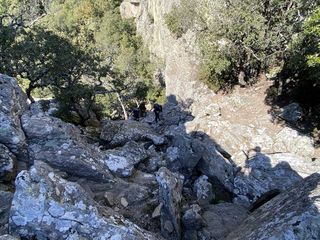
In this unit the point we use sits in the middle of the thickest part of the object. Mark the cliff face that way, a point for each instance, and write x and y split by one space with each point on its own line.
179 56
239 121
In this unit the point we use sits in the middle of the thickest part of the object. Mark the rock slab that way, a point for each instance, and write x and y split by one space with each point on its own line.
46 206
293 214
170 189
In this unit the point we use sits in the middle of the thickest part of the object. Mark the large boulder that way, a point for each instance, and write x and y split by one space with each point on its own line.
5 205
183 153
170 195
62 146
118 133
135 197
264 173
221 219
293 214
291 113
121 161
214 165
7 164
45 206
13 102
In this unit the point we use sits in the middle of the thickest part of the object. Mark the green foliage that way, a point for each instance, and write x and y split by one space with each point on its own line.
157 94
302 64
240 40
181 17
299 79
80 51
215 66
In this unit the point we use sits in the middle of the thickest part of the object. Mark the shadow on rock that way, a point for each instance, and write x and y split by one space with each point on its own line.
160 177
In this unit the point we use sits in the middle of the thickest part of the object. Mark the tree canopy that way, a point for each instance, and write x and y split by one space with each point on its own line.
81 50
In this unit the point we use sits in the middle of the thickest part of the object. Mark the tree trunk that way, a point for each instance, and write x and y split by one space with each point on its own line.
137 103
28 92
125 114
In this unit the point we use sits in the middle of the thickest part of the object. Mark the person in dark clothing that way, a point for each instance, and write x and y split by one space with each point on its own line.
143 109
157 108
136 114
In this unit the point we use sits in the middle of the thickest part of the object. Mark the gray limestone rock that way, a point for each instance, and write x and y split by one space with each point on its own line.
13 102
264 173
214 165
7 164
192 219
221 219
47 206
154 161
44 107
129 9
184 152
174 113
9 237
294 214
5 205
118 133
140 194
203 189
291 113
291 141
121 161
170 189
62 146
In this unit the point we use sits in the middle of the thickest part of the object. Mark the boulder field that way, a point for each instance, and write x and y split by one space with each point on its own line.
142 180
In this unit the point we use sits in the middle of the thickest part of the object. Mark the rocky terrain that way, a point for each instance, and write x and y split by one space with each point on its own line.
216 166
140 180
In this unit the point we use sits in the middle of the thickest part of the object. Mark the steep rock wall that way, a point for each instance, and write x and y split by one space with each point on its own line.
179 56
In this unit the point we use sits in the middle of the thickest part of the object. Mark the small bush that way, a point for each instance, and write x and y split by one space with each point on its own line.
181 18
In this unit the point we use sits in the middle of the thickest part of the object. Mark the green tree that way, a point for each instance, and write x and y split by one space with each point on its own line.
73 46
242 40
300 77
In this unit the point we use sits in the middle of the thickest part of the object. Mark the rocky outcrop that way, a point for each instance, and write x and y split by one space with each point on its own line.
122 161
164 177
13 102
118 133
184 152
179 56
134 197
240 121
264 173
170 189
62 146
47 206
5 205
293 214
215 166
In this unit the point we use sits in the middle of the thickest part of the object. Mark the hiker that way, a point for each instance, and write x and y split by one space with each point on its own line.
157 108
142 108
136 114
